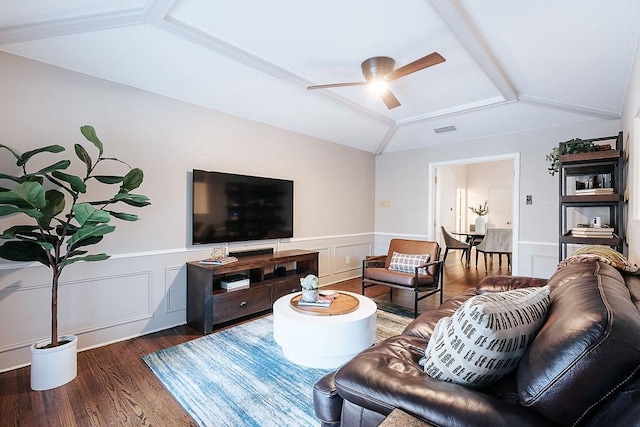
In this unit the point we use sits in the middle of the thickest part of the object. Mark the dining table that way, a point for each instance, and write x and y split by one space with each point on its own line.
472 238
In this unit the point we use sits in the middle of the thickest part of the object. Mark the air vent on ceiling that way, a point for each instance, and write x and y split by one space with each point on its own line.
445 129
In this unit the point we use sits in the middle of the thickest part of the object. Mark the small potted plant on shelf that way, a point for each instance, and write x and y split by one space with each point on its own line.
59 228
310 290
573 146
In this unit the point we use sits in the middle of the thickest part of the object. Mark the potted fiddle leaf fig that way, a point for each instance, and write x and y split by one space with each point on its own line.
61 222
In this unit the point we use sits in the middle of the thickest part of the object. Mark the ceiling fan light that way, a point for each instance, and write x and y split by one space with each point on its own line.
378 85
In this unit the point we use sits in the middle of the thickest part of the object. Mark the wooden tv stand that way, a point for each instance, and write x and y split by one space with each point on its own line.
208 304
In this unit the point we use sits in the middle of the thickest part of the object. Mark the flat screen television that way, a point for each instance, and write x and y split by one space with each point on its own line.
229 208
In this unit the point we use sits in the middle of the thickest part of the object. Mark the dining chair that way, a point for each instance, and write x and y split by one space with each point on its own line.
454 244
496 241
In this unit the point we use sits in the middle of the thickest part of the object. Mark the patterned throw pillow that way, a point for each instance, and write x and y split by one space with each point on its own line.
486 337
407 263
603 254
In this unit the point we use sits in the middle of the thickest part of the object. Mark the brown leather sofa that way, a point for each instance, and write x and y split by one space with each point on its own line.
583 368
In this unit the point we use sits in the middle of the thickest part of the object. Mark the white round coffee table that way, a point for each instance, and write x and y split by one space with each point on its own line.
323 341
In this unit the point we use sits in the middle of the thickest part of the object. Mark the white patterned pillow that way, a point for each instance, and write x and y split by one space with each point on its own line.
486 337
407 263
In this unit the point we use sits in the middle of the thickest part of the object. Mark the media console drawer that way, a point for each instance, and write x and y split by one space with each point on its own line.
234 304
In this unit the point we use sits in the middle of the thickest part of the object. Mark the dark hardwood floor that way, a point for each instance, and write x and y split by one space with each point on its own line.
115 387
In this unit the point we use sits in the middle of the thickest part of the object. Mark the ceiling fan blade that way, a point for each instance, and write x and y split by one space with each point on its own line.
389 99
335 85
417 65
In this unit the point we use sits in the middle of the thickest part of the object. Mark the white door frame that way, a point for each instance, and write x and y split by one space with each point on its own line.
515 157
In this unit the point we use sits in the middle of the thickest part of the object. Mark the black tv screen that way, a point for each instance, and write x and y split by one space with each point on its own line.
230 208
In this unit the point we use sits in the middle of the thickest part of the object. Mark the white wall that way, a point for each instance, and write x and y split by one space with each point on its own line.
402 179
631 128
142 288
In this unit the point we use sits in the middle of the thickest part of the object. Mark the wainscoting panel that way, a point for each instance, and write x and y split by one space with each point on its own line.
176 288
537 259
349 257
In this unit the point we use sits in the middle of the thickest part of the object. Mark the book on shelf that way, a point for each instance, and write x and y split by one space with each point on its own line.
594 191
219 261
581 231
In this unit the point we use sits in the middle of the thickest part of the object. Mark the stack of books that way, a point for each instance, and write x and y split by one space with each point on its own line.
594 191
219 261
598 232
322 301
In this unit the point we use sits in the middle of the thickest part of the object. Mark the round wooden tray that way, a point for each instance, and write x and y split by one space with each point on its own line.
342 304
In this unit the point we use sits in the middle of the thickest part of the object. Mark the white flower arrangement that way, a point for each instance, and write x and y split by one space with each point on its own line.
309 282
481 210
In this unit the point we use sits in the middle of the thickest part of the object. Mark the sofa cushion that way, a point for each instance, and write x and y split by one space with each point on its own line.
588 348
397 277
486 337
605 254
407 263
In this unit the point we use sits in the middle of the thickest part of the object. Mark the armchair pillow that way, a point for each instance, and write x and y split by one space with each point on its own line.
486 337
407 263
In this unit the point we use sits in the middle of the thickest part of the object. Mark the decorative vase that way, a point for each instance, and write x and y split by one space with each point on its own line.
480 229
310 295
55 366
490 224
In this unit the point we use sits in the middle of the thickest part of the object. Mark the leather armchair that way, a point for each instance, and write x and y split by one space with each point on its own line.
424 281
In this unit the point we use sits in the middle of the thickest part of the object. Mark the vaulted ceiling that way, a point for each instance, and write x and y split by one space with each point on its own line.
510 65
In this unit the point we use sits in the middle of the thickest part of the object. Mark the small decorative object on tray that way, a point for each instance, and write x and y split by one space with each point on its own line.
322 301
309 286
219 257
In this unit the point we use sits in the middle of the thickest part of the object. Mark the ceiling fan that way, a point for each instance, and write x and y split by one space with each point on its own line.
379 70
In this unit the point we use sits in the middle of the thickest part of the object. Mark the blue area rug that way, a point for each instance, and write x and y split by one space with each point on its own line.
239 376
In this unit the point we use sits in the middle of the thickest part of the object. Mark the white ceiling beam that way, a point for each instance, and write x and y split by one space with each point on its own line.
385 140
74 25
463 30
569 108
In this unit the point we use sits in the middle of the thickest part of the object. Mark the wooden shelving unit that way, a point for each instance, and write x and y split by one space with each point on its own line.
209 304
606 163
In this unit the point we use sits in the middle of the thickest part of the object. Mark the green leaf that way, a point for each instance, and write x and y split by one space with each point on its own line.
15 154
90 134
76 253
11 177
19 230
88 231
124 216
55 205
24 251
77 184
85 242
137 200
84 156
108 179
87 214
27 195
24 158
132 180
96 257
9 210
62 164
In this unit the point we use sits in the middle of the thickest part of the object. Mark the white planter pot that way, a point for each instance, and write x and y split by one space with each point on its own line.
310 295
53 367
480 225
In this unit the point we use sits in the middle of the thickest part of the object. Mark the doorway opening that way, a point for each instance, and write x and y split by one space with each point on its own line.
457 185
